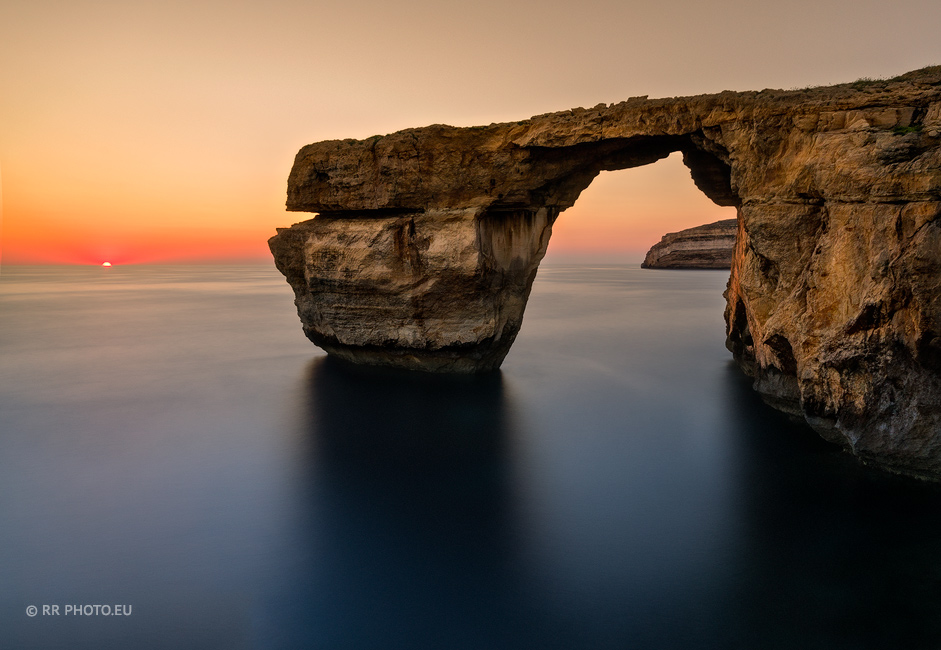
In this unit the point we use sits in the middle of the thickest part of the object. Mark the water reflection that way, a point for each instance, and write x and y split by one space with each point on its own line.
839 555
618 485
410 510
419 535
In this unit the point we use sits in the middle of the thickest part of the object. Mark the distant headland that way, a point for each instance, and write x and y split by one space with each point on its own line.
704 247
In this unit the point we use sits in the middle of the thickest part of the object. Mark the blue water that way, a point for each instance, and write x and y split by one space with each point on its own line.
169 441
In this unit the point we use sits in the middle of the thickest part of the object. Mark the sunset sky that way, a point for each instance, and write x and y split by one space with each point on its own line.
164 131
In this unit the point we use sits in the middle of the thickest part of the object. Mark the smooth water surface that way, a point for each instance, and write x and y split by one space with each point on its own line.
170 441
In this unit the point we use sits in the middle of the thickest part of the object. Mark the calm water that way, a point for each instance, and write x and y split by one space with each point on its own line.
169 441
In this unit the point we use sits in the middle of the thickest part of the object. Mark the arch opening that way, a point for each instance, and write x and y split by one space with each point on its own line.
626 210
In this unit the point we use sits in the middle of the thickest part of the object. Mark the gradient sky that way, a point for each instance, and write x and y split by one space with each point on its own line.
162 131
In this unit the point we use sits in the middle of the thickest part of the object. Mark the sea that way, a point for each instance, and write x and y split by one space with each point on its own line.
180 468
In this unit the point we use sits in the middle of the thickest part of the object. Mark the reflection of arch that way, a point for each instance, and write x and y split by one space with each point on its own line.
408 427
411 495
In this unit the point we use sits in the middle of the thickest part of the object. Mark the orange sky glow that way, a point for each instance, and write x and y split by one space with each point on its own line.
140 132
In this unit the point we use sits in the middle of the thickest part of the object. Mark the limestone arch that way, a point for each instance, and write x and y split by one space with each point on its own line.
426 239
462 251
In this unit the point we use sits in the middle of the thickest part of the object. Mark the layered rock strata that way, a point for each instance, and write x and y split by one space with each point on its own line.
441 290
427 242
703 247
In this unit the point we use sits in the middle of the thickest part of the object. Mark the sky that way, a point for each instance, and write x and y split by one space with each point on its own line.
138 132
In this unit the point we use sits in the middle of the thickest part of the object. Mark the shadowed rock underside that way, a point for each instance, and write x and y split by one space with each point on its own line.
427 242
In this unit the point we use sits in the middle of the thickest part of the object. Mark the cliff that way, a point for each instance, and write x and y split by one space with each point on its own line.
703 247
427 242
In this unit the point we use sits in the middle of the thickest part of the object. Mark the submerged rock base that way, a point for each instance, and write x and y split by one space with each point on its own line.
427 242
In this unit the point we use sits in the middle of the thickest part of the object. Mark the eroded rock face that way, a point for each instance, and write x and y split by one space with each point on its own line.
442 290
704 247
427 242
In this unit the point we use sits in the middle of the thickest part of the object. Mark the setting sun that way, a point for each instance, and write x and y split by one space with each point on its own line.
106 263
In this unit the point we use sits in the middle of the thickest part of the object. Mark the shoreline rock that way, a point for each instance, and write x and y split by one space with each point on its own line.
704 247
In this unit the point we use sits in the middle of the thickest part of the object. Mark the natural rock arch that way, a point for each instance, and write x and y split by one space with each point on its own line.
488 205
428 240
